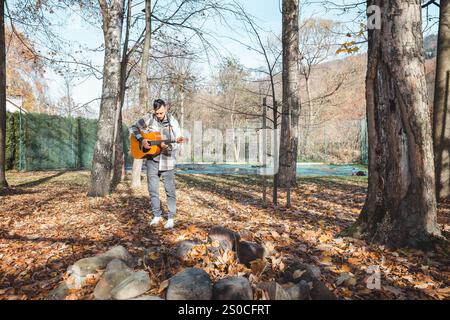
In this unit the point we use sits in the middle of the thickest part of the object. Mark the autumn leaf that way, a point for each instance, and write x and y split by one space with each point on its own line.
163 286
258 266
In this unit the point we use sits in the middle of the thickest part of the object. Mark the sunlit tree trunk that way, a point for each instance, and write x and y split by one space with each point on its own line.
400 208
441 110
291 103
143 86
103 151
119 157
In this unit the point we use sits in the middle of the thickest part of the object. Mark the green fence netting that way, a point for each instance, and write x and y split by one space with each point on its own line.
43 142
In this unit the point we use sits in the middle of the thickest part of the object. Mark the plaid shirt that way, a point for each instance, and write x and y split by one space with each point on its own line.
169 129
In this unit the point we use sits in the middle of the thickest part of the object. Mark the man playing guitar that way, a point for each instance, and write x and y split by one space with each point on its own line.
162 164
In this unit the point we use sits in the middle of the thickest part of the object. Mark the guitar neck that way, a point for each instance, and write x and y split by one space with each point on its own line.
158 142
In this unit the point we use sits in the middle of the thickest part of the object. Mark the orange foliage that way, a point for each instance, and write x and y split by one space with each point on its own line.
24 71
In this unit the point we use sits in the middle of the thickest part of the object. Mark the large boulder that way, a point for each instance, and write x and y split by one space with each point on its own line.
86 266
91 265
232 288
116 271
250 251
183 248
228 239
133 286
275 290
119 252
190 284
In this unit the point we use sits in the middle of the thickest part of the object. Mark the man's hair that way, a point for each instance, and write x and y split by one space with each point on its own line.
158 103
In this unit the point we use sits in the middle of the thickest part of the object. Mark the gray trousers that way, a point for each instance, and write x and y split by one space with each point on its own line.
153 178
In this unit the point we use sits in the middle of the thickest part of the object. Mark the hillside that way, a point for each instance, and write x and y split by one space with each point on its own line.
348 103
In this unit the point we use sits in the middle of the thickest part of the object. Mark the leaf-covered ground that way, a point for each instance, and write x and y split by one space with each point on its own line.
47 222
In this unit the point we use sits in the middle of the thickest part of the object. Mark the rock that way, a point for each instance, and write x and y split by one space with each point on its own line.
223 246
91 265
145 297
119 252
134 285
299 291
275 291
361 173
319 290
250 251
226 237
190 284
115 273
183 248
312 270
117 265
218 251
59 293
74 281
232 288
297 271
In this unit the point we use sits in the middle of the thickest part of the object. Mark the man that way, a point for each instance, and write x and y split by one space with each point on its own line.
161 165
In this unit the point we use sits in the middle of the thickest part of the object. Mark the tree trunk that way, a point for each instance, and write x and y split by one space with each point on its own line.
291 104
103 151
181 151
3 183
182 111
119 159
143 86
441 111
400 208
308 119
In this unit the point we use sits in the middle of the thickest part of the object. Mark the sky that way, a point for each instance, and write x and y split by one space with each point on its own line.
266 12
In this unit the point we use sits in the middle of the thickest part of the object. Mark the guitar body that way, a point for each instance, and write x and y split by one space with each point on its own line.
138 153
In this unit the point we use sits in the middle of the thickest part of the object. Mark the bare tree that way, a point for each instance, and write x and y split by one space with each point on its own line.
112 15
400 208
66 105
291 100
119 157
441 110
317 39
231 80
3 182
143 86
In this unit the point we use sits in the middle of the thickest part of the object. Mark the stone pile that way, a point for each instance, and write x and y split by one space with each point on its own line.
305 279
119 280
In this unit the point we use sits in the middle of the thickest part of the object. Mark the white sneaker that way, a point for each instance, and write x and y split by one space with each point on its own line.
169 224
155 220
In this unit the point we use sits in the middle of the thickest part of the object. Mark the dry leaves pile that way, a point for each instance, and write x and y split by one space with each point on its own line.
47 222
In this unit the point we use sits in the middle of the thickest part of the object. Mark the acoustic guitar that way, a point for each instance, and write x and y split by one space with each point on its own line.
155 140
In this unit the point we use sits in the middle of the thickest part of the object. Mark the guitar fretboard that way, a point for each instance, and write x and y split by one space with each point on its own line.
158 142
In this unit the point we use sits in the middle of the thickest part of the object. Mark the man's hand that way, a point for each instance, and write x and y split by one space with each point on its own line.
146 144
164 146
